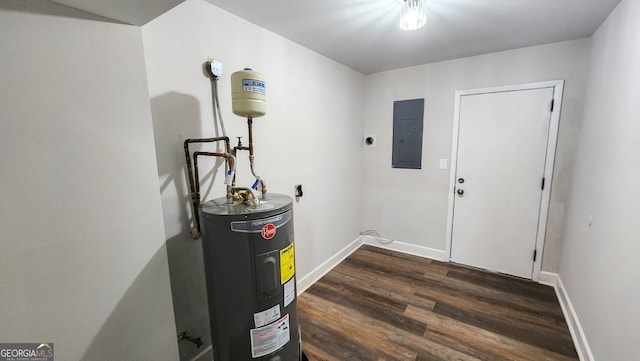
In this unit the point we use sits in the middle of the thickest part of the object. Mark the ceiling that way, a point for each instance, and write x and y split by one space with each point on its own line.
134 12
364 34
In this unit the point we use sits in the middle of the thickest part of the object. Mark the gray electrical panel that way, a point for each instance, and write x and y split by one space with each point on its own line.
407 134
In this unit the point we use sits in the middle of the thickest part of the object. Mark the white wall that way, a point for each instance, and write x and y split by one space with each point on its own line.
83 262
311 135
411 205
83 255
600 265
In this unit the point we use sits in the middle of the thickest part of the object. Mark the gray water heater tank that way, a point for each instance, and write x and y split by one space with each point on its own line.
249 259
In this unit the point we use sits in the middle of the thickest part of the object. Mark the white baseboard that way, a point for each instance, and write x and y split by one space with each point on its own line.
303 283
549 279
407 248
317 273
307 281
204 355
577 333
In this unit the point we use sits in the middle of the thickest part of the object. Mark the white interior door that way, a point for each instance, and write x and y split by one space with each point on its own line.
501 153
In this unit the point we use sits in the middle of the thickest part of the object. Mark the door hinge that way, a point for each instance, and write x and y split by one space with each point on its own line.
542 183
553 102
535 255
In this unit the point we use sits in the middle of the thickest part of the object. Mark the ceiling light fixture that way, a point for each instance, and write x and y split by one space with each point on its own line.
414 14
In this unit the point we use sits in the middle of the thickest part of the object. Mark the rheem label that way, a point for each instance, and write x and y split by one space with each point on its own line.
268 231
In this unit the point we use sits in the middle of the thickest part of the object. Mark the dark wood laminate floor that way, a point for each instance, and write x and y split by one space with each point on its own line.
383 305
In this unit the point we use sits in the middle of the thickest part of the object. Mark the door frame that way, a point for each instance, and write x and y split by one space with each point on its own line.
558 87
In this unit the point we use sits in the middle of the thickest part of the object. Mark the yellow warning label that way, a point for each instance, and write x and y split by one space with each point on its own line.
287 263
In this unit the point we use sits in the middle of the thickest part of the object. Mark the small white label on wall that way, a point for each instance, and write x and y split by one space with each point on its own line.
443 164
289 291
267 339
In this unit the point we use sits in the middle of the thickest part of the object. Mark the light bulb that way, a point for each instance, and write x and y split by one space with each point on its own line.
414 15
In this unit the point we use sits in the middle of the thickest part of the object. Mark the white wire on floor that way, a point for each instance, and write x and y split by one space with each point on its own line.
373 233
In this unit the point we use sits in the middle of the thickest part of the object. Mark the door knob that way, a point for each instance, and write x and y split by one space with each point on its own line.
460 191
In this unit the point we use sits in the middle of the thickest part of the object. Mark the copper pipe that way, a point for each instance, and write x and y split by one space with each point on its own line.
227 156
250 126
194 184
263 185
255 201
